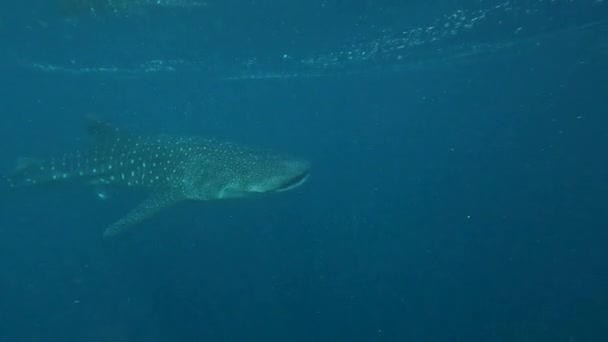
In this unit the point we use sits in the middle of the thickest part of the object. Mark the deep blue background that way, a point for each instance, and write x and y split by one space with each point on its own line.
460 202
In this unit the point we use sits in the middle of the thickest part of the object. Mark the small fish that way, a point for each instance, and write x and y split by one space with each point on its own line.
171 168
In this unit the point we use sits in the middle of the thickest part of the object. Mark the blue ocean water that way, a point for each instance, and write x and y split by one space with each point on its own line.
458 185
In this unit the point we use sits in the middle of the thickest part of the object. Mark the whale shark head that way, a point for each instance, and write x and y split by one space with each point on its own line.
263 175
286 176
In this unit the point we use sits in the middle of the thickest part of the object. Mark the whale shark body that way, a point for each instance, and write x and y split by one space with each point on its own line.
171 168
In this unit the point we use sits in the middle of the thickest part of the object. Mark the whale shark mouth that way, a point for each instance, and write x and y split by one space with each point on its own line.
294 182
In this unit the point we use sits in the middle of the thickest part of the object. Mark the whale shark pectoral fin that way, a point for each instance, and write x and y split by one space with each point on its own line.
148 208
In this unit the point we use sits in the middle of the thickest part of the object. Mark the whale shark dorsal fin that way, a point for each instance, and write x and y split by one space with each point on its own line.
148 208
100 129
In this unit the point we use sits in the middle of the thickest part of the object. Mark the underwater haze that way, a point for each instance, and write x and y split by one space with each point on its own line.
458 174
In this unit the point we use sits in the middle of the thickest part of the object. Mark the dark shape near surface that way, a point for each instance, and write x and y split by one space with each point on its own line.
171 168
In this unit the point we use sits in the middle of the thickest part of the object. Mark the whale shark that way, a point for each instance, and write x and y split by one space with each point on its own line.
170 168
